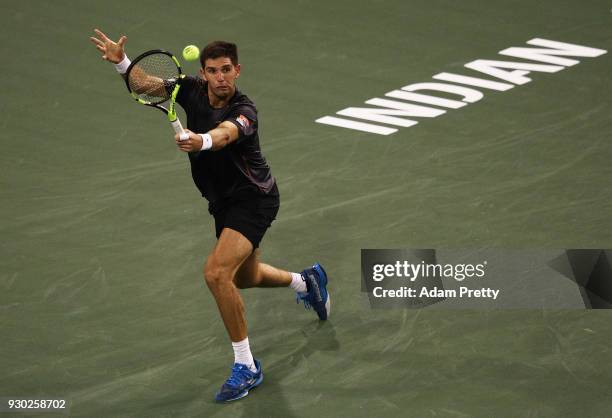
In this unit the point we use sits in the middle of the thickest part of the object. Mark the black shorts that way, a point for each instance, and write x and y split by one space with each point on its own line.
251 217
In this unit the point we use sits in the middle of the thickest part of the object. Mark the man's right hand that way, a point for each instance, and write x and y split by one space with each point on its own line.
111 51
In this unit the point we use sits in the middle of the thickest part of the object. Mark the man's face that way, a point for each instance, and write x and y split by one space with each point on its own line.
221 76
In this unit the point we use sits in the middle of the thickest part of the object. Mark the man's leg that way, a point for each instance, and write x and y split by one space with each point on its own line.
310 285
229 254
253 273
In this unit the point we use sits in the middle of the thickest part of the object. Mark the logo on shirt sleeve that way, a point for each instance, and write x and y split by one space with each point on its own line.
243 121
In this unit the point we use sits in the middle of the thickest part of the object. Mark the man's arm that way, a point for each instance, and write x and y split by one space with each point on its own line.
224 134
114 52
141 82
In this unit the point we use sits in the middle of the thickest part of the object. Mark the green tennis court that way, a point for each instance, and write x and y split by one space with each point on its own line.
102 300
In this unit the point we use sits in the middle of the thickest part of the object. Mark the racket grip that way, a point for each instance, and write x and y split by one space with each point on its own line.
178 128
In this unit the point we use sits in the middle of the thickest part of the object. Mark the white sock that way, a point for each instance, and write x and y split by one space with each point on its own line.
297 283
242 354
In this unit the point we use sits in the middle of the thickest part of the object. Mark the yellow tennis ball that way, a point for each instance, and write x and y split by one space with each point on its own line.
191 52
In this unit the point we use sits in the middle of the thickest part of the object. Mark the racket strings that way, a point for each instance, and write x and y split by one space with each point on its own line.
153 77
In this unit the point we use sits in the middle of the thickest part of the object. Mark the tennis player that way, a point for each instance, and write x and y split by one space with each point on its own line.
231 172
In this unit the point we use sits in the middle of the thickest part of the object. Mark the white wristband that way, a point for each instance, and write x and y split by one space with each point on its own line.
206 142
123 65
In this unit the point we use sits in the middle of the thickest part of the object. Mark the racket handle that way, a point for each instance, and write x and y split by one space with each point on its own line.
178 128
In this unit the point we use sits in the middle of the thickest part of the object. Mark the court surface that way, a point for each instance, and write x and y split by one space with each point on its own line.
104 235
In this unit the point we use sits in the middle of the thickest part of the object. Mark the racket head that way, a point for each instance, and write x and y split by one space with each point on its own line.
152 77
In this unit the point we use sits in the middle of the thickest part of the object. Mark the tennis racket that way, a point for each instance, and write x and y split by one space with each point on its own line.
153 79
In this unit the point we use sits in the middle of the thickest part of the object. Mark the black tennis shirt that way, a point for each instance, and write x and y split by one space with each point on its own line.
237 172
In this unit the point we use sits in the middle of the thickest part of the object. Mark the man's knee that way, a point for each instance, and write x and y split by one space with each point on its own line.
248 275
246 278
215 274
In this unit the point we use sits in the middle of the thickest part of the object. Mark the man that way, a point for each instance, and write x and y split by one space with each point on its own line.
232 174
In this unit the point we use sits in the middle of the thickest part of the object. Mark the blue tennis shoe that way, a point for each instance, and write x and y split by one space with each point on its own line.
316 295
239 383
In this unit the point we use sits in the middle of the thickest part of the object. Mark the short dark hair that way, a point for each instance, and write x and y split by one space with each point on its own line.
218 49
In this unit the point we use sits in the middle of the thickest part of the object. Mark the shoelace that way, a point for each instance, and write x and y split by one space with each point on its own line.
302 297
239 374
